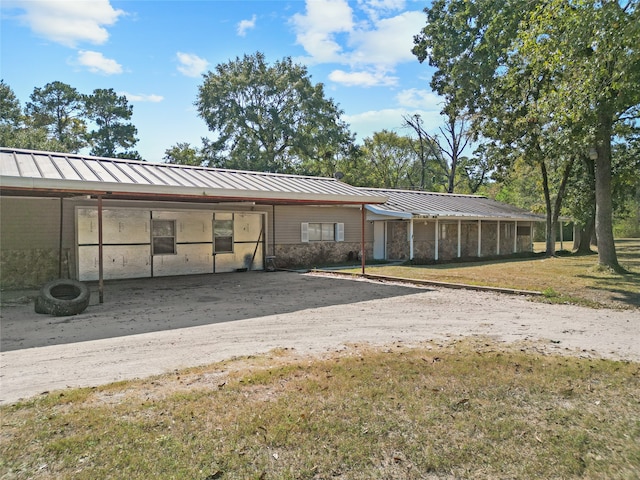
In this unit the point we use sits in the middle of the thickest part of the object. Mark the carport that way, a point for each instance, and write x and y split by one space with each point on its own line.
95 206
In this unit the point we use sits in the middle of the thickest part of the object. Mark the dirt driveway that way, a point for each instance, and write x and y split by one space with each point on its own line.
153 326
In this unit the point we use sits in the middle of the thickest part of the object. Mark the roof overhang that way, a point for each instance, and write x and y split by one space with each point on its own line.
376 212
21 186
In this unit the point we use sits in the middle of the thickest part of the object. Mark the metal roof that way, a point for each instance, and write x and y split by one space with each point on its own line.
35 172
412 204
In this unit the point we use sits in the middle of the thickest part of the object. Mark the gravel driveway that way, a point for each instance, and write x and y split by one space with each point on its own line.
153 326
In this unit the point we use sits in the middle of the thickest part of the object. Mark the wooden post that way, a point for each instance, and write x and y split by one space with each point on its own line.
437 239
60 239
100 259
362 254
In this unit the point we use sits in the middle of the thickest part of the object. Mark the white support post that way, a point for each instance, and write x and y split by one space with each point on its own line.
498 247
411 239
515 237
459 238
561 236
479 238
437 240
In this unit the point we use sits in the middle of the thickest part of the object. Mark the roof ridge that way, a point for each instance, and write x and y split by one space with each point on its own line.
160 164
424 192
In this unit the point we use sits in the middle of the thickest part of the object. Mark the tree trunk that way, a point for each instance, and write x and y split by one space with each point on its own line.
582 242
604 205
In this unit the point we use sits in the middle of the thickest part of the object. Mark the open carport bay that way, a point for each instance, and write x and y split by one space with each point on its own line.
152 326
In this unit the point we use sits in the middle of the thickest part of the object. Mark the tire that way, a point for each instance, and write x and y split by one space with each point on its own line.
63 297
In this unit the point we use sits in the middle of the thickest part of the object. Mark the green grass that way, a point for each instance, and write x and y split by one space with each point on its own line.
469 409
571 278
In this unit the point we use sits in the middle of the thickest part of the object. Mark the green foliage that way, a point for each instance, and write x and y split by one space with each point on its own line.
182 153
268 117
58 108
110 112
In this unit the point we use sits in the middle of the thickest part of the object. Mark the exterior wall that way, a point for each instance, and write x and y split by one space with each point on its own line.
424 243
30 241
290 251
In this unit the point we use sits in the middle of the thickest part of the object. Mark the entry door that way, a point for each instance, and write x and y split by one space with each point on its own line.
379 240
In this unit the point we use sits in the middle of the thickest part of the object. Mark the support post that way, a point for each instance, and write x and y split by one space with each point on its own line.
479 238
498 237
411 253
515 237
362 254
560 224
437 252
60 239
100 256
459 238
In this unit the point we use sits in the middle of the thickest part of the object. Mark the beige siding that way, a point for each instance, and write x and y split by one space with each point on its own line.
289 218
28 223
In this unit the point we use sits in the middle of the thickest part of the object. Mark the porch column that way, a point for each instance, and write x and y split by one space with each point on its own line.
459 238
411 239
515 237
437 240
561 236
479 238
60 237
498 247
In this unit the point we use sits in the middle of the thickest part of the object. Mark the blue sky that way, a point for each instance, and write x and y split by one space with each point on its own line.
155 53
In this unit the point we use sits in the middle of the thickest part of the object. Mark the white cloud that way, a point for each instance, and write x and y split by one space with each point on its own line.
422 99
388 42
69 22
371 44
142 97
363 79
365 124
316 30
97 63
245 25
191 65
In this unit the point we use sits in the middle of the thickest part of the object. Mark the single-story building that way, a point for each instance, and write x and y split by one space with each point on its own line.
90 218
427 226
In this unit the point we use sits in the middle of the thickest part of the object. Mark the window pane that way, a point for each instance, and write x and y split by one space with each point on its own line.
163 246
328 231
223 245
223 228
315 232
163 228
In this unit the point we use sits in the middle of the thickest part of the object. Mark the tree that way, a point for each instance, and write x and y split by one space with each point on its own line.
182 153
15 130
447 149
595 47
10 110
58 108
561 67
110 112
389 157
268 118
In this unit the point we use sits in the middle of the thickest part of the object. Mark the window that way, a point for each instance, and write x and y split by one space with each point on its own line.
322 232
223 233
164 237
524 230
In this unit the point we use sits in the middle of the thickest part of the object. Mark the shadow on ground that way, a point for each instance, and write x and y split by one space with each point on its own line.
148 305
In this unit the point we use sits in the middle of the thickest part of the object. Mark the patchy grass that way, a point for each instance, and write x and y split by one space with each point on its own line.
468 409
571 278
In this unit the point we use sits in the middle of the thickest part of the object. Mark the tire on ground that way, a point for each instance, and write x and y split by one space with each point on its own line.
63 297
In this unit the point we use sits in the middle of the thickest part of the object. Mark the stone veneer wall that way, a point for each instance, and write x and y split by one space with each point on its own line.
31 268
424 243
317 254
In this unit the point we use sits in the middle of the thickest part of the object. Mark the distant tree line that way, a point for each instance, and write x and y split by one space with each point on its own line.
59 118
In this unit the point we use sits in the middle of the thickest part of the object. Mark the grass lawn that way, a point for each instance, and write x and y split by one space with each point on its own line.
565 278
468 409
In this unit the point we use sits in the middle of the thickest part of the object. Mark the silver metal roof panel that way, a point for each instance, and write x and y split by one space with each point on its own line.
412 203
37 171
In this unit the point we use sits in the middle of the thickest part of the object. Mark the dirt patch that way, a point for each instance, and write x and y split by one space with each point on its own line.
153 326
